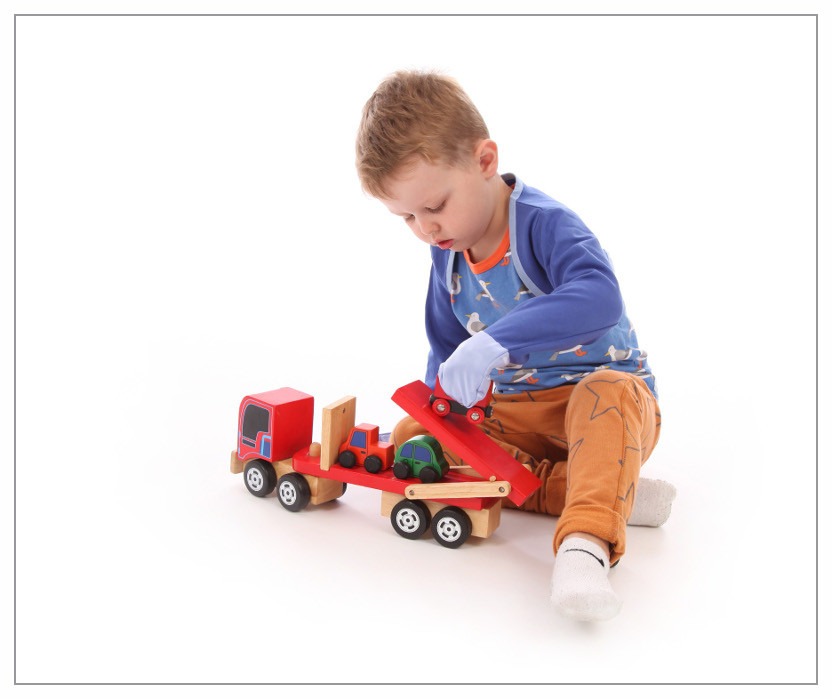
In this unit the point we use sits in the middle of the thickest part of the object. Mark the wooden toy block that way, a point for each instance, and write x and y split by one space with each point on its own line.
282 467
321 489
338 420
324 490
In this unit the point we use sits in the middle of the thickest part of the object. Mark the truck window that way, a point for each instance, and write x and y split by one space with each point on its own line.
422 454
359 440
255 420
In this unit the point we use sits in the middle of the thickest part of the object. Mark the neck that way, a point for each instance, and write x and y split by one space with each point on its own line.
485 246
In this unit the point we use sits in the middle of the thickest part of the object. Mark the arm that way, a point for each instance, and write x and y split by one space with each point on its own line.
445 333
585 300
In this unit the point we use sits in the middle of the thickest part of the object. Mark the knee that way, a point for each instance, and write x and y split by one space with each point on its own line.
605 381
605 387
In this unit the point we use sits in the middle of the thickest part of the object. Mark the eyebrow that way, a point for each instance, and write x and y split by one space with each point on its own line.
409 213
440 198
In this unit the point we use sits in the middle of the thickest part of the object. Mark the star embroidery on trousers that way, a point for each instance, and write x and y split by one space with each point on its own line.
603 403
638 450
630 490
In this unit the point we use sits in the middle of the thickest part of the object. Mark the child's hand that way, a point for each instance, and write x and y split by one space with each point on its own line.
466 375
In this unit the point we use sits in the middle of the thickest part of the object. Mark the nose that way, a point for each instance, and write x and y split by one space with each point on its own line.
427 227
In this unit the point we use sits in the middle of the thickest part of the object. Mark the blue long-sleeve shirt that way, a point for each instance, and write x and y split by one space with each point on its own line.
548 295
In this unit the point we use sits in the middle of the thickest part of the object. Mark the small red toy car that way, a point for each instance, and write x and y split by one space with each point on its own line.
443 405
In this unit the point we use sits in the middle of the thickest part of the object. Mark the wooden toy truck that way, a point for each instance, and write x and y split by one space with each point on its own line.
275 450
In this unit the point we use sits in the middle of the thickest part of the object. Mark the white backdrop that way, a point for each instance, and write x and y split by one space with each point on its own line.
189 229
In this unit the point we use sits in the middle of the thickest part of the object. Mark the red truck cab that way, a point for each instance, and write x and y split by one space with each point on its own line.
274 425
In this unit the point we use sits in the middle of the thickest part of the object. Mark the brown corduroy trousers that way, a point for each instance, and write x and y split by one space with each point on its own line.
586 442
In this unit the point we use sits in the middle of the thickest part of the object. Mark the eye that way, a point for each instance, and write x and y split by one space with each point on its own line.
435 210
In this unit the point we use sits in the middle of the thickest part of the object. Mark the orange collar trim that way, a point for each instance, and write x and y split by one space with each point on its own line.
492 260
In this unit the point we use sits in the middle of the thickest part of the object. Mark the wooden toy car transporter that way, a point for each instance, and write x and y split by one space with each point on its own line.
274 450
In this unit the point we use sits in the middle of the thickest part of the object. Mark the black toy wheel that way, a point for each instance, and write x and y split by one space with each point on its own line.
451 527
429 475
347 459
293 492
410 518
260 478
373 464
401 470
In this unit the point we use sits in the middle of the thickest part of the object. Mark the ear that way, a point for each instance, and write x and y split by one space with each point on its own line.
486 157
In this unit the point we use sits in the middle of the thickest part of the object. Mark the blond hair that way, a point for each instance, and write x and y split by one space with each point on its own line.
415 114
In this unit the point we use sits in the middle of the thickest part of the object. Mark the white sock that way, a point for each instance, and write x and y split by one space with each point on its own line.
652 505
580 588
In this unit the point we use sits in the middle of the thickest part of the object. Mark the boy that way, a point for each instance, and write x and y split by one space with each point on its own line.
522 294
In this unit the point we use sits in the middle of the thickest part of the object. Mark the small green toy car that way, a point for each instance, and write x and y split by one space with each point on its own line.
420 457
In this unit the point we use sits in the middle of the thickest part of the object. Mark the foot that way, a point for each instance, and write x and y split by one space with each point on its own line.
652 505
580 588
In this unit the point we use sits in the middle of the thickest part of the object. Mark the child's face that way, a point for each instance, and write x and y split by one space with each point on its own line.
453 207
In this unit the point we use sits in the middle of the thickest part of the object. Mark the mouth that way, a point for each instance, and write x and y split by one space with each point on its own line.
444 244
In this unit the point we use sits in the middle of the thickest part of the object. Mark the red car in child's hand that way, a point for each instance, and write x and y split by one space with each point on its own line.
442 404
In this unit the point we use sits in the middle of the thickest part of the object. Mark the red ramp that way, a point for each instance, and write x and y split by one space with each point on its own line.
467 440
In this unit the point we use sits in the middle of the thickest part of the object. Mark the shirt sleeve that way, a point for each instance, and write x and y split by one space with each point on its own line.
585 301
444 331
